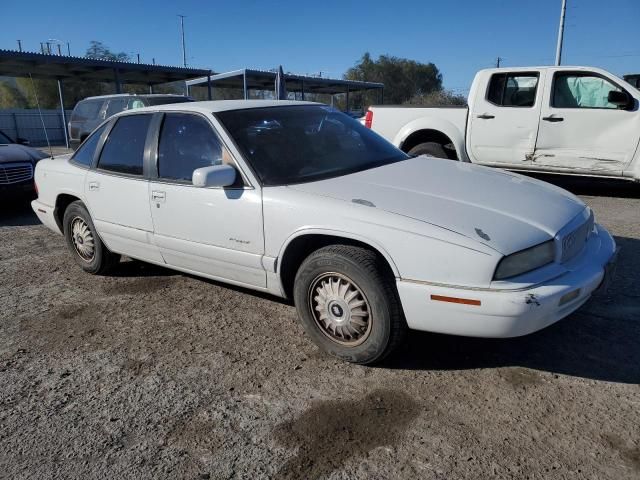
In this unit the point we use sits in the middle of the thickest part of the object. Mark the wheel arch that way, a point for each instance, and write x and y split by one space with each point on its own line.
430 130
63 200
301 244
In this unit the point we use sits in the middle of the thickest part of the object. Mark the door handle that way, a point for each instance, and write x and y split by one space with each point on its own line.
553 119
93 186
157 196
486 116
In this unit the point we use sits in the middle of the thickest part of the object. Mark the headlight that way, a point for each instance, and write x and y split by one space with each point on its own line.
525 260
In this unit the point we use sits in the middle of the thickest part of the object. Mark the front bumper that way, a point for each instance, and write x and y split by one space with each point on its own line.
510 313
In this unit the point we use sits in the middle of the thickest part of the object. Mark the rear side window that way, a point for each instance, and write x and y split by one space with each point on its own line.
84 154
513 89
123 151
188 142
86 110
151 101
116 105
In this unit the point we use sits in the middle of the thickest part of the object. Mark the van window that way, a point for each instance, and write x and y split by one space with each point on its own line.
513 89
116 105
84 154
123 151
86 110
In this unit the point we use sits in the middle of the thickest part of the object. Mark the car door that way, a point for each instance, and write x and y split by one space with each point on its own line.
116 189
504 121
581 131
217 232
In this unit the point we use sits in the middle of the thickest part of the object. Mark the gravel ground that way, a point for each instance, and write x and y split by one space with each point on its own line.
153 374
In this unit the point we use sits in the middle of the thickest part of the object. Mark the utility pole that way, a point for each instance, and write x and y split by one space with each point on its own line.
68 49
184 50
19 45
561 33
498 60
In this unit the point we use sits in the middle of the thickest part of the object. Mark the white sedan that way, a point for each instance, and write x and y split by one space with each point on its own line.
301 201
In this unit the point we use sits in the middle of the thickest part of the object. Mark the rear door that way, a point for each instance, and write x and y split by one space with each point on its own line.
116 190
503 121
213 231
580 131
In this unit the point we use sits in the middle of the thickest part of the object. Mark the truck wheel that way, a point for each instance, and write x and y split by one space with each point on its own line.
83 241
431 149
348 304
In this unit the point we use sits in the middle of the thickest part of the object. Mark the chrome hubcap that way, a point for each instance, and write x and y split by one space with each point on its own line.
340 309
82 239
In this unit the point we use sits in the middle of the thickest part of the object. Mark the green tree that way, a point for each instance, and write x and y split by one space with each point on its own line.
403 78
438 98
100 51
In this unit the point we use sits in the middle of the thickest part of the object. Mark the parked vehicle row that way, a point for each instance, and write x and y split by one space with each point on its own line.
301 201
92 111
566 120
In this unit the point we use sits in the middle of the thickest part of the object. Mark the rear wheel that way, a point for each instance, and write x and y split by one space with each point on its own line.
431 149
348 304
86 247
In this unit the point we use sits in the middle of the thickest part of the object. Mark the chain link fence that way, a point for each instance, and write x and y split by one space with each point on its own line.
27 124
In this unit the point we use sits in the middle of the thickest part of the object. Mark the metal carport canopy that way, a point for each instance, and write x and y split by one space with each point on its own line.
61 67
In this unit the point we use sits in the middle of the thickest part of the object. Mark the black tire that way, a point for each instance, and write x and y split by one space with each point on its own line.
101 258
431 149
360 271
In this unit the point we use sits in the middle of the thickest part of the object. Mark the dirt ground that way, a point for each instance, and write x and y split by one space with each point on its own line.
153 374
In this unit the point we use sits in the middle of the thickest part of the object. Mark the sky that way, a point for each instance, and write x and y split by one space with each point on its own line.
459 36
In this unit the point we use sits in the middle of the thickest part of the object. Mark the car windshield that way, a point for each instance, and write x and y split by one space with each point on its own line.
4 139
304 143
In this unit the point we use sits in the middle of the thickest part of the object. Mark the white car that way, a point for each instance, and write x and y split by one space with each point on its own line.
301 201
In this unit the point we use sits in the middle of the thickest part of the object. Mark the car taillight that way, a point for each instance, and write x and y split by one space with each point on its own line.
368 119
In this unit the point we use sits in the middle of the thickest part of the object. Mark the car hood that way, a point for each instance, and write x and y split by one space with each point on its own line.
503 210
19 153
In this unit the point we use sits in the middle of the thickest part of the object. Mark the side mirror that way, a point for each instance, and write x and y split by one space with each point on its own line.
621 99
216 176
23 141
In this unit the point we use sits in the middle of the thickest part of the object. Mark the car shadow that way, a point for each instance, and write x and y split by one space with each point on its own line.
595 187
600 341
17 212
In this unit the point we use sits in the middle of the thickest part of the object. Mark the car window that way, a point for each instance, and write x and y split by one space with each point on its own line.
84 154
123 151
135 103
188 142
304 143
575 90
86 110
116 105
167 100
4 139
513 89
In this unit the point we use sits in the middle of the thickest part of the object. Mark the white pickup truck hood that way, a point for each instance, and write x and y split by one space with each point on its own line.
505 211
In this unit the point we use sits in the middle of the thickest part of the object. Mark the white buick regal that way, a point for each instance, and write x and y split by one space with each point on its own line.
301 201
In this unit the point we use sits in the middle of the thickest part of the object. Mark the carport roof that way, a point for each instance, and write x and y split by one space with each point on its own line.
61 67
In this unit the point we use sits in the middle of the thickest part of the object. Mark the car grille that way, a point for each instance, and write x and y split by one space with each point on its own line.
15 172
573 243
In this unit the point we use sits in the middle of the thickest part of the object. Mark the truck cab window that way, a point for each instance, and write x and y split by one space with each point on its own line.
513 89
575 90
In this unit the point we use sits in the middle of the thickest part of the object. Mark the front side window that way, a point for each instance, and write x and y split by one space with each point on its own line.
84 154
116 105
187 142
305 143
123 151
575 90
513 89
86 110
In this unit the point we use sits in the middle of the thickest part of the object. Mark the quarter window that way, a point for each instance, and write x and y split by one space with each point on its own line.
84 154
188 142
574 90
124 149
513 89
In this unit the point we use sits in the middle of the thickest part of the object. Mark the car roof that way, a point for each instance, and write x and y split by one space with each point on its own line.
218 106
144 95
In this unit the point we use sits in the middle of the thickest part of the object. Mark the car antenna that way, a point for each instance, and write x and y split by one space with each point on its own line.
44 128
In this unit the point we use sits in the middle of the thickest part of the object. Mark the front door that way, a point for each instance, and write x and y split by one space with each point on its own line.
117 191
580 131
217 232
503 122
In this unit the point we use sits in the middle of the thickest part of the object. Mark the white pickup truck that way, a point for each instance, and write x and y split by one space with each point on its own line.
568 120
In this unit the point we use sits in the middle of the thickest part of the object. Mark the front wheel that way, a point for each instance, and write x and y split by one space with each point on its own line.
83 241
348 304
